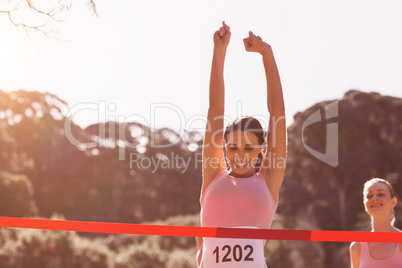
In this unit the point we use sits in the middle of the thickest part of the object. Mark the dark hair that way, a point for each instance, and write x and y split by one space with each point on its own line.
249 124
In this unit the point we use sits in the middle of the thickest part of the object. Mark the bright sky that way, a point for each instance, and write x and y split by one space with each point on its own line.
141 53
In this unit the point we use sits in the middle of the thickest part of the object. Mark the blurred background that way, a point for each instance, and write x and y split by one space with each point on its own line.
102 113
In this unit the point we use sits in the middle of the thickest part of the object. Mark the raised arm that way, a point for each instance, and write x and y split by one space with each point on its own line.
274 162
213 160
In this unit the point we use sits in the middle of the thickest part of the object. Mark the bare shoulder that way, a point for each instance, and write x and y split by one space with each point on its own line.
355 247
354 250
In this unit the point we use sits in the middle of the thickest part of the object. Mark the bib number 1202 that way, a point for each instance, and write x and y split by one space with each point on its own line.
236 253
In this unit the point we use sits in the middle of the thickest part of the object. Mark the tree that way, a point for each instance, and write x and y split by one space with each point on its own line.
39 16
16 196
330 197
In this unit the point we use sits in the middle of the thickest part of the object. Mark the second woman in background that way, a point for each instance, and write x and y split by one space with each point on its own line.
379 202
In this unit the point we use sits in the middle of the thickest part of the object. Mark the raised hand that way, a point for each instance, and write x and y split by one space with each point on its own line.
222 36
254 43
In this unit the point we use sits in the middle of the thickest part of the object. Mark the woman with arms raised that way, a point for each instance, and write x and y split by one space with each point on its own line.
245 193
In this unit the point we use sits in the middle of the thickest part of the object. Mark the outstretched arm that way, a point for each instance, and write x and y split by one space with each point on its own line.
274 162
213 160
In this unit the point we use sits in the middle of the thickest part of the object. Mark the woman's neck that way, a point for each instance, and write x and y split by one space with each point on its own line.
381 225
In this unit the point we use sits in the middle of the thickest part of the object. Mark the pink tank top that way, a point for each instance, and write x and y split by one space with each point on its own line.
366 261
230 201
237 202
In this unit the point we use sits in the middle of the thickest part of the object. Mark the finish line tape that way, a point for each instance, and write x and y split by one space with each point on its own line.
190 231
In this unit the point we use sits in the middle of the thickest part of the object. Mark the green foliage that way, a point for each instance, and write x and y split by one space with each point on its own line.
41 248
16 196
143 250
88 254
182 259
171 243
42 172
93 184
47 249
141 256
281 253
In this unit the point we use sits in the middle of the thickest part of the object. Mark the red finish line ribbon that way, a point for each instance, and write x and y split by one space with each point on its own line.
191 231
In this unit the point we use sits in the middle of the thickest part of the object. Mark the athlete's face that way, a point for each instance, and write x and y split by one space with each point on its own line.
378 201
242 150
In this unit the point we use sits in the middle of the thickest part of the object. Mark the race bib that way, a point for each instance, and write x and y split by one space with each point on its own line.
233 252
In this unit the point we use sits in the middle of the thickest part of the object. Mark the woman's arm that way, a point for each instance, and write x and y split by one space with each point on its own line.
213 160
354 252
274 162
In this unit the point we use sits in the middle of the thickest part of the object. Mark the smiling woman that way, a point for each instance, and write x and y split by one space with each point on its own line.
379 202
244 192
244 140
